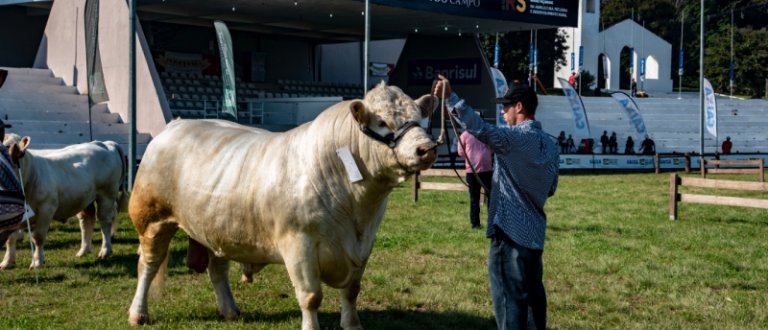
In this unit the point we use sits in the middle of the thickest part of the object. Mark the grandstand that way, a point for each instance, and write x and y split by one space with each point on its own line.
673 124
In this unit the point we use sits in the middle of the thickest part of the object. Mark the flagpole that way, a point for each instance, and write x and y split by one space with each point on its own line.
701 89
731 52
366 56
131 94
680 72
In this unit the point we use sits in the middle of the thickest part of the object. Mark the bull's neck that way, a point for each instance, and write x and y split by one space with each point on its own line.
28 170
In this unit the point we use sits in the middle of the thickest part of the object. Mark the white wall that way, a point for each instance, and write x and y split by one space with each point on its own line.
586 34
646 44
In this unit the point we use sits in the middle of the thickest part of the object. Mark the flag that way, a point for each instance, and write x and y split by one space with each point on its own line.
580 123
633 113
500 88
227 69
710 108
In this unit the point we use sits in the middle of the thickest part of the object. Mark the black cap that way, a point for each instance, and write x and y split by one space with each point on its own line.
516 93
4 125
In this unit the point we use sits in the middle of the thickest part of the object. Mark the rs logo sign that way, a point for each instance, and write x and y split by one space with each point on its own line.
518 5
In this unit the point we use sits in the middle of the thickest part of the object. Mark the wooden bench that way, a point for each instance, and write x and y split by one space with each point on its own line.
676 181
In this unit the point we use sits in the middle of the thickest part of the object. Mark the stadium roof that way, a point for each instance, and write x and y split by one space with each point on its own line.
343 20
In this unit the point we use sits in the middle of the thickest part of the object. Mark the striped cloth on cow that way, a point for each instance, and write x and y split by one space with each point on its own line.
11 197
525 174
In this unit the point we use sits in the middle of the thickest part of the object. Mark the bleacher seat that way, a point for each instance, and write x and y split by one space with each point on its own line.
270 95
174 75
185 97
184 75
195 97
164 74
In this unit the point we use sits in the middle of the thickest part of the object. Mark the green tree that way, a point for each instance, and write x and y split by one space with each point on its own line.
514 49
750 71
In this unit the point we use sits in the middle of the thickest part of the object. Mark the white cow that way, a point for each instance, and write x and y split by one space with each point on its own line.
62 183
261 198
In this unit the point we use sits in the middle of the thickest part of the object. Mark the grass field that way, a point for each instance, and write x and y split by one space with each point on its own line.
613 260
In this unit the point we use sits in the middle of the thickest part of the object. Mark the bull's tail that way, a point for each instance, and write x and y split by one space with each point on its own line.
122 202
157 287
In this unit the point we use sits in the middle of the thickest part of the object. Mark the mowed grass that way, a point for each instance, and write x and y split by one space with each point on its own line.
613 260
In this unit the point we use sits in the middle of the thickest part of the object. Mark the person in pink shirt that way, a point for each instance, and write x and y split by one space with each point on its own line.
481 157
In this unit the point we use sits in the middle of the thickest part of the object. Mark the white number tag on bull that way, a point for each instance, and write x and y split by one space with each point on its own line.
29 213
349 164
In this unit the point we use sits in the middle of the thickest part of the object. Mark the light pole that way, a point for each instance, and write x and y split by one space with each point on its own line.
701 89
680 66
366 49
132 93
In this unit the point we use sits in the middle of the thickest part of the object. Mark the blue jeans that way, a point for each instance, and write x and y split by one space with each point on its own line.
519 299
475 197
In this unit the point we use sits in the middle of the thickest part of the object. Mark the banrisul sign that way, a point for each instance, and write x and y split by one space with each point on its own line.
550 12
464 71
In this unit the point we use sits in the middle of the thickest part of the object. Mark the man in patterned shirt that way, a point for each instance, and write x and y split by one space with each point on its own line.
525 174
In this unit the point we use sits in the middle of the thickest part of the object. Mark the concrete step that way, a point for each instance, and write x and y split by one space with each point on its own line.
7 106
35 126
61 116
28 72
36 88
75 138
50 98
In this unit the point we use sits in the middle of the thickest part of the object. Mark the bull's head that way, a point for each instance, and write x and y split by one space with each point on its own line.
387 112
17 147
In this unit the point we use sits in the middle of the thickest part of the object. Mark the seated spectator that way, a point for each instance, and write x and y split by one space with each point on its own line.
571 147
630 148
613 144
604 141
561 141
648 147
727 145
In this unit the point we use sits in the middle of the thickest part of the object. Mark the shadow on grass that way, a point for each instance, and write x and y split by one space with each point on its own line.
371 320
30 279
129 264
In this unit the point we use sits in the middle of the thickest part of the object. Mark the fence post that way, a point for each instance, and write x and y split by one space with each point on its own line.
656 163
703 167
762 170
415 188
687 163
673 180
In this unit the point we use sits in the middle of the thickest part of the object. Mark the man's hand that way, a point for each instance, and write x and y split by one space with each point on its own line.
443 84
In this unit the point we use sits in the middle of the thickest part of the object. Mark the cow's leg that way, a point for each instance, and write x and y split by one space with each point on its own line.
87 221
154 243
349 318
218 271
115 221
248 271
303 268
10 252
42 223
104 214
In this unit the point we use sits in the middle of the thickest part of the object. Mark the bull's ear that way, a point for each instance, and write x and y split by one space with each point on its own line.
358 111
24 143
427 104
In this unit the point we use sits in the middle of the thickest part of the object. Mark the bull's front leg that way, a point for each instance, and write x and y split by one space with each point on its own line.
42 223
349 318
218 271
301 259
104 215
10 252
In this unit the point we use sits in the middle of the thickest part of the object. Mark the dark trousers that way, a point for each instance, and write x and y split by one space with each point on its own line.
605 146
475 196
517 291
563 148
452 157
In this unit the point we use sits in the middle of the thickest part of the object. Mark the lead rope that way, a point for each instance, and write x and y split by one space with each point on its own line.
471 166
29 227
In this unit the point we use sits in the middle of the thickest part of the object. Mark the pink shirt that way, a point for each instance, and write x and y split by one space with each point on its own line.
480 154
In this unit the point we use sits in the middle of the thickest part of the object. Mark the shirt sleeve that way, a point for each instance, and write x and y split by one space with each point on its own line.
501 141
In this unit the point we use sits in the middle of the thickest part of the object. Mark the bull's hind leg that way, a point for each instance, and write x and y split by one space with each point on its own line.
218 271
87 219
154 239
115 220
300 257
104 214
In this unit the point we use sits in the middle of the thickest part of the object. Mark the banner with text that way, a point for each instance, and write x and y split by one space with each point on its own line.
710 108
633 113
575 162
580 122
227 69
464 71
500 85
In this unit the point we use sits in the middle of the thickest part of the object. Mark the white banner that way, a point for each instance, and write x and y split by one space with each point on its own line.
575 161
677 162
623 162
500 83
633 112
580 123
710 108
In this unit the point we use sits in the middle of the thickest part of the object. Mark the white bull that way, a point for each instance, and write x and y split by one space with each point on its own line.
62 183
261 198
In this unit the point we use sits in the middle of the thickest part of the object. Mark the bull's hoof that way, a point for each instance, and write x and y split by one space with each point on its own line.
232 315
36 264
7 265
138 319
83 252
104 253
246 279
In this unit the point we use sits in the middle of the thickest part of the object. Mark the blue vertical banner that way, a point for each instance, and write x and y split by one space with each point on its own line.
731 74
500 85
579 113
631 60
581 56
633 113
229 99
535 61
710 106
496 57
573 61
680 68
642 67
530 58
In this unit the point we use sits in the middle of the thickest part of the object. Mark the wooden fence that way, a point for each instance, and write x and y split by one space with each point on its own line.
759 170
676 181
437 185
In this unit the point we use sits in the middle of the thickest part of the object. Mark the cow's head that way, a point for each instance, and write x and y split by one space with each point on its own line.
17 147
385 111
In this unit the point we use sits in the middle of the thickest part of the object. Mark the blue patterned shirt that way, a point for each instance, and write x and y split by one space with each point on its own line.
525 174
